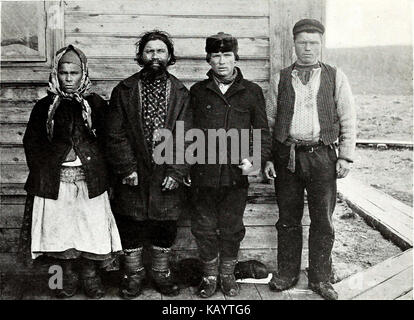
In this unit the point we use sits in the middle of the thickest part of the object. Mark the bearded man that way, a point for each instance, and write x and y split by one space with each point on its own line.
147 195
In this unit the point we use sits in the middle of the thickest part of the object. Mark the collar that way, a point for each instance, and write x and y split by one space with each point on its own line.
132 81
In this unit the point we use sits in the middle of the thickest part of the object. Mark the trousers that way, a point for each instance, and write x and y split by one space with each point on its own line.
135 234
217 221
316 173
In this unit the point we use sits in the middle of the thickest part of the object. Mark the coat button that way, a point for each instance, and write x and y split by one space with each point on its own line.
208 107
88 158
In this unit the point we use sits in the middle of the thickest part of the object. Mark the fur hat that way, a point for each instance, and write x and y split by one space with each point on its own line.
221 42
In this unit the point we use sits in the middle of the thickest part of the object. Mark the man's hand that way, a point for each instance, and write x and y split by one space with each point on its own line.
342 168
269 170
131 180
169 184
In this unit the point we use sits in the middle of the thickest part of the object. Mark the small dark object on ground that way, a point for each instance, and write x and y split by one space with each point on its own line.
189 271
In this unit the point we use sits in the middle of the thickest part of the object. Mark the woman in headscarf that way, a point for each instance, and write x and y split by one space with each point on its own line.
68 181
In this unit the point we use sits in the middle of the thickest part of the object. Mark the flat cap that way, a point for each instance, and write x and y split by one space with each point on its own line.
308 25
221 42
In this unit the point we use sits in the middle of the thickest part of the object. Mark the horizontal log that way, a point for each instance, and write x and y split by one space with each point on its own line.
10 198
11 215
11 112
117 69
161 7
185 69
12 133
12 155
176 26
26 96
22 93
116 46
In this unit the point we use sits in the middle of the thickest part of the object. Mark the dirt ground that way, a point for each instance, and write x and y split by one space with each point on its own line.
357 245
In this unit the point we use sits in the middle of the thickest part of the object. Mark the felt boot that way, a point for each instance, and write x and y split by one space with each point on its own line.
134 273
91 281
208 285
70 283
228 283
161 273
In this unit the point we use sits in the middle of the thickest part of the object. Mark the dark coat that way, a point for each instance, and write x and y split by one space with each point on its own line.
241 107
44 157
127 152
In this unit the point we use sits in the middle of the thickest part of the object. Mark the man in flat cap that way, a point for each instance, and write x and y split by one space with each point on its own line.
225 101
147 194
315 108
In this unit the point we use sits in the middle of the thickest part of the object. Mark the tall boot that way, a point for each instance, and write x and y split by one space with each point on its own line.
228 283
134 273
91 281
161 273
208 283
70 279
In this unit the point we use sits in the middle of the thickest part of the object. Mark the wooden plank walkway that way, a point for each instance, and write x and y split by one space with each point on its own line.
388 280
393 278
391 217
386 143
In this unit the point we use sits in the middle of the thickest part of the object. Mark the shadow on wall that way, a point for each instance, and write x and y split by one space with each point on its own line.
384 70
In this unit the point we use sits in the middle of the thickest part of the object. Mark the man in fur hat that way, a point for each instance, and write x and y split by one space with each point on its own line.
224 101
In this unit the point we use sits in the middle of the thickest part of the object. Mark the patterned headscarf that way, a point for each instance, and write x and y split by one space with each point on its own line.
79 95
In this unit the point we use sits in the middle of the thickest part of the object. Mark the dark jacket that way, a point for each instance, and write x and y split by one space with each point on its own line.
241 107
127 152
44 157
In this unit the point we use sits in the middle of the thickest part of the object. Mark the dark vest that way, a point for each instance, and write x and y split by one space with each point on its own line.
328 117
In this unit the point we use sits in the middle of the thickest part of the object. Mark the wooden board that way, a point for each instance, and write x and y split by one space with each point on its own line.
188 7
124 47
389 143
391 289
134 25
390 216
115 70
26 97
406 296
301 291
362 282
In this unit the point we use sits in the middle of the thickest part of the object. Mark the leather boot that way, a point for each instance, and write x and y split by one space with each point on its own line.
91 281
161 273
228 283
70 279
134 274
208 285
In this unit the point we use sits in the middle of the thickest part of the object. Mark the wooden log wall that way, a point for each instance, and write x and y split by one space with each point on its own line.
107 31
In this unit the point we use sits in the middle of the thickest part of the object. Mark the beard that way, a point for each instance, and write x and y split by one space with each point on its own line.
153 69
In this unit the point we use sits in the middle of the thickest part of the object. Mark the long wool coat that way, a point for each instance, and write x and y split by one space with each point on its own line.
127 152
